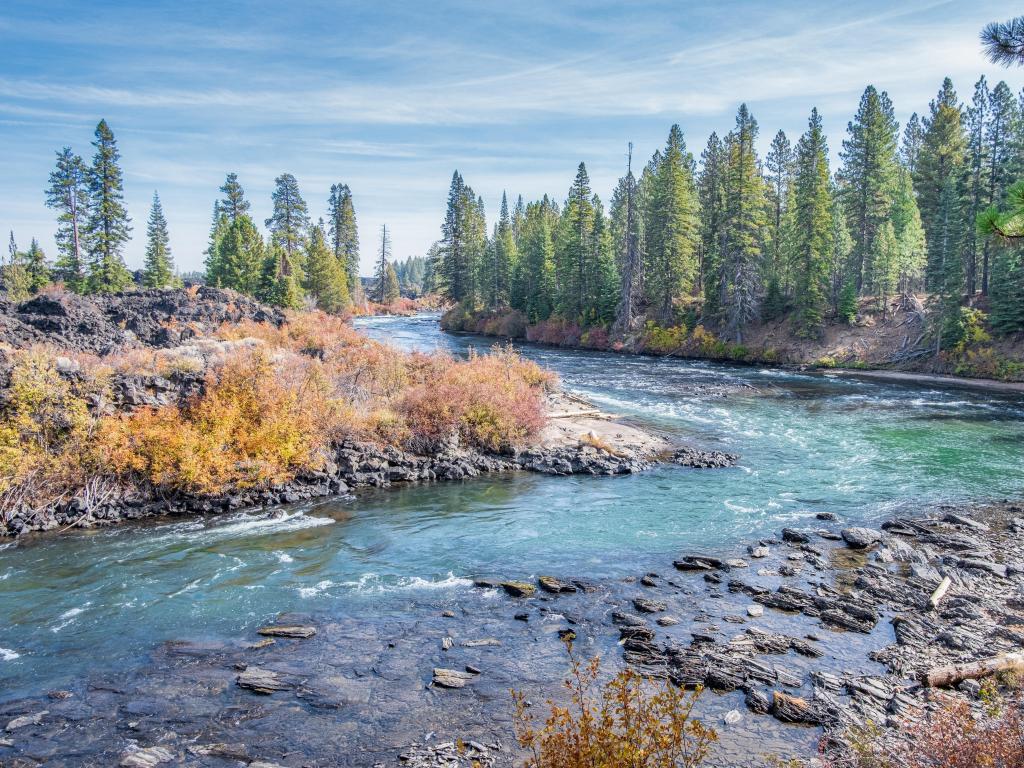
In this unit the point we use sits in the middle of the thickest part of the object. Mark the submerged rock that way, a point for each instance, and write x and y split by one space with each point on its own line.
518 588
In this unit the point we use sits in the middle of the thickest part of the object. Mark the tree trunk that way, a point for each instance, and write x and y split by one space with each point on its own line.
952 674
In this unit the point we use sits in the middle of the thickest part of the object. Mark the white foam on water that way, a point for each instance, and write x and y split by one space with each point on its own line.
320 587
69 616
284 557
6 654
187 588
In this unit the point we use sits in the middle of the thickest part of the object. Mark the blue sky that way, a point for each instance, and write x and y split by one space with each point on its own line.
390 97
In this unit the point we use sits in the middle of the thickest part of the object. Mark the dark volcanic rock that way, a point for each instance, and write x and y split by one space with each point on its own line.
698 459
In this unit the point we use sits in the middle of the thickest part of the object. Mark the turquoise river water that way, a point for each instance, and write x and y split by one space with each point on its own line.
98 600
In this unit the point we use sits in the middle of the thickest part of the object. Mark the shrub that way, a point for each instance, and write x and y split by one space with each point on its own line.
491 402
596 338
951 736
252 426
629 722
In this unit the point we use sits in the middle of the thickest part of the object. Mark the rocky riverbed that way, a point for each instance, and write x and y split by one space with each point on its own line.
799 638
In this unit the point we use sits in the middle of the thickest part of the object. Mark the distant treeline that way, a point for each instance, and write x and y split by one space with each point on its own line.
301 262
740 239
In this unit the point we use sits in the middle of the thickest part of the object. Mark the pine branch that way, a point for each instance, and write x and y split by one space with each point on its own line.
1004 42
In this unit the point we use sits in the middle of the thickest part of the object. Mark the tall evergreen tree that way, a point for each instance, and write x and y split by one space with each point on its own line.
913 138
911 247
937 181
502 256
68 194
279 280
745 219
625 232
538 260
326 281
866 177
672 229
383 262
813 233
14 279
240 256
711 188
976 182
392 288
574 249
779 165
159 266
234 204
36 270
344 234
289 222
462 245
108 227
1001 155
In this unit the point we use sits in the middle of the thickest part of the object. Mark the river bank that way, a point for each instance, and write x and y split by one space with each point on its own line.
894 343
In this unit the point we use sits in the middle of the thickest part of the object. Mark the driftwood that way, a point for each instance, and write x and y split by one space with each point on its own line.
940 677
940 592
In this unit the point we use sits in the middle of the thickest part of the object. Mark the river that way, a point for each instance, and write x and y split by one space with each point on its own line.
97 601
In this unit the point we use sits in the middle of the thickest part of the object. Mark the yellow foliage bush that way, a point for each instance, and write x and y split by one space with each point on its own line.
629 722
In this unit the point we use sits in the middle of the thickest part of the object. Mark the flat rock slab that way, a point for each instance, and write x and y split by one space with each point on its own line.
861 538
518 588
287 631
451 678
644 605
24 720
262 681
147 758
553 585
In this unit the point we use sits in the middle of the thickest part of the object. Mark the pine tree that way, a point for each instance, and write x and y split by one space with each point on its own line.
240 257
234 205
672 229
1003 117
215 268
813 233
538 260
383 256
947 267
744 222
326 281
910 240
625 233
842 247
392 289
913 138
711 193
462 244
866 178
1004 41
279 283
14 279
574 250
779 164
290 221
68 194
976 181
108 226
36 271
501 261
344 234
159 268
937 179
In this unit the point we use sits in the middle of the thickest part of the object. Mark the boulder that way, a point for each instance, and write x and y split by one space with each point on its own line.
861 538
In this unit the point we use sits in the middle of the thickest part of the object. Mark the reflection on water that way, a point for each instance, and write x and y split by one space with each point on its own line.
808 443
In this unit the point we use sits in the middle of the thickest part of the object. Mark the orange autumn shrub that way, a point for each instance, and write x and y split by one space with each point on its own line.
251 426
491 402
629 722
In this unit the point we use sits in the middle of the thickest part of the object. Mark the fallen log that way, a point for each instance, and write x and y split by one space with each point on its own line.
940 592
951 674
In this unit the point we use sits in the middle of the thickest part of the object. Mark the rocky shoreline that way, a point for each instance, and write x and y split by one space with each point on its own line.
561 450
807 638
